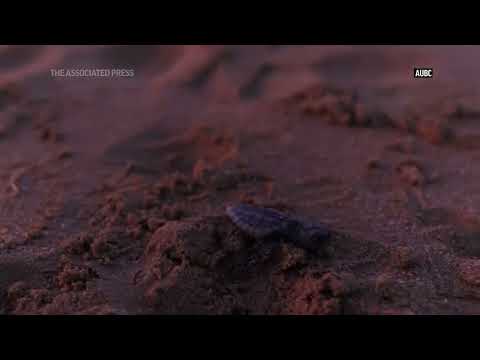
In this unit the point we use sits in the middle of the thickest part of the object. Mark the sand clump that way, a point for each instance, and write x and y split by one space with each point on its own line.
468 272
75 277
404 258
228 268
317 296
336 107
390 288
23 301
181 254
435 132
345 108
69 293
211 145
117 226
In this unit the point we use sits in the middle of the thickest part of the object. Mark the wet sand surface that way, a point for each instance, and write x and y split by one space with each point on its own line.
113 190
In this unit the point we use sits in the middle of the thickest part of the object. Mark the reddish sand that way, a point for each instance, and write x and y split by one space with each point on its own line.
113 190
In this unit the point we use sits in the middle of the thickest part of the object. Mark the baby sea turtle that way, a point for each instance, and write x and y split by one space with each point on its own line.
261 223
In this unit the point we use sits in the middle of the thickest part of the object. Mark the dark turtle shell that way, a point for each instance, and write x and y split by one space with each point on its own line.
261 222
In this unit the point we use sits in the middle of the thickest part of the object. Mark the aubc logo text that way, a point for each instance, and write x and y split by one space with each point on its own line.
422 72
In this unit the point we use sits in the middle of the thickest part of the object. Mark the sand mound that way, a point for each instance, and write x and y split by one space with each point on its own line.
209 268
